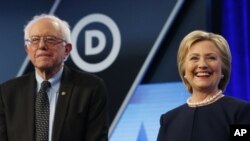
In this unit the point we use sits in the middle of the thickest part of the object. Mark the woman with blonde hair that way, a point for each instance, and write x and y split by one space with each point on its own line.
204 64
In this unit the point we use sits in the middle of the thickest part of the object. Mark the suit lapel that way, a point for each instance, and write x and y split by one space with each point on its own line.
62 103
28 91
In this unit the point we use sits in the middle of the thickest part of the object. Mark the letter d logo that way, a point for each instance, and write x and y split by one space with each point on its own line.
90 49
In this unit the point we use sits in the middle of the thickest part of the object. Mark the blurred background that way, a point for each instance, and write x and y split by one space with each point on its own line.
138 42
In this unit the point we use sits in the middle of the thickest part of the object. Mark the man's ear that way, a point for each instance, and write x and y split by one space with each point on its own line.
26 48
68 48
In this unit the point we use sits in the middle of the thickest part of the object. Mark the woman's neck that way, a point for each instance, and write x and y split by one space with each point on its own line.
203 98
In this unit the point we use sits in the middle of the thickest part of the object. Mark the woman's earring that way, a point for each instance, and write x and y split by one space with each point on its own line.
222 76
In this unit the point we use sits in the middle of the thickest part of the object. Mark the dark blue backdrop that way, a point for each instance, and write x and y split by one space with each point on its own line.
235 28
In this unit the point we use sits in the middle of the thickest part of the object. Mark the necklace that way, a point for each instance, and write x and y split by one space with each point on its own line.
205 101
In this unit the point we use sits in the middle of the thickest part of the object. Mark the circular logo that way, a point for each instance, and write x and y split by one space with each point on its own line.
105 63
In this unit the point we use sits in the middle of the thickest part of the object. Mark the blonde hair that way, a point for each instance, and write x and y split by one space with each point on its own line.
220 43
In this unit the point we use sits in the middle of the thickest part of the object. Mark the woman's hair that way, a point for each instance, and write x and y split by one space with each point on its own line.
64 26
219 42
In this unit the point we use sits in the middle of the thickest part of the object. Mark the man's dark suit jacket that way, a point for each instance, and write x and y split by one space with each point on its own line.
81 113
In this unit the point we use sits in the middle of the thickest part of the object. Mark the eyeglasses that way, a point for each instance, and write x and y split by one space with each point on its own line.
48 40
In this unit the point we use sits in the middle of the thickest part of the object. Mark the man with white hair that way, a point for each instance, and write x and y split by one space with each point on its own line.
53 103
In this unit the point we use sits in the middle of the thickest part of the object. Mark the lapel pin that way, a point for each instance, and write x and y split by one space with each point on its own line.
63 93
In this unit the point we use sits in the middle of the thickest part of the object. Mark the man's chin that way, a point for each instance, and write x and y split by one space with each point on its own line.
44 67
